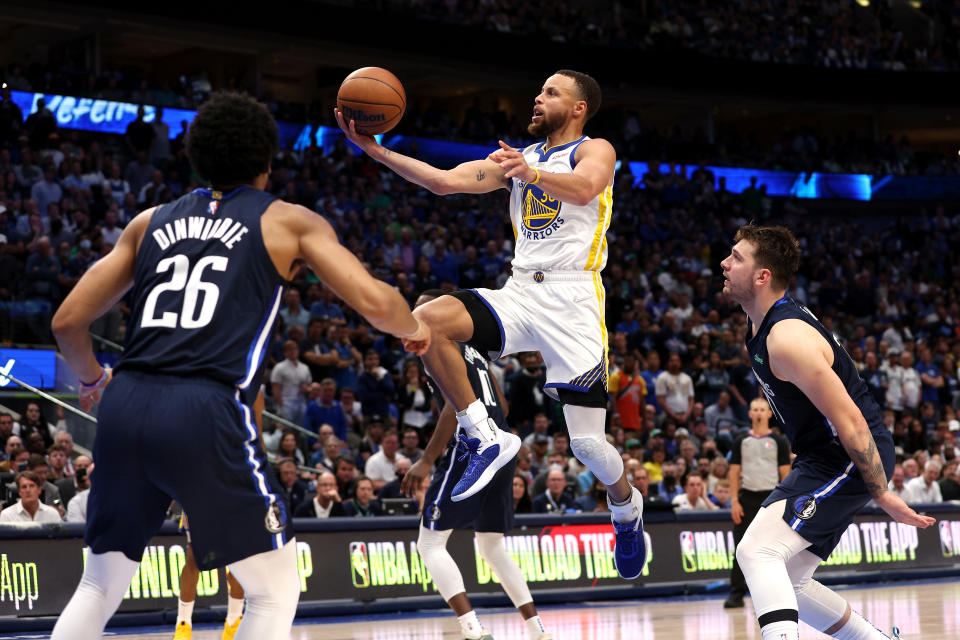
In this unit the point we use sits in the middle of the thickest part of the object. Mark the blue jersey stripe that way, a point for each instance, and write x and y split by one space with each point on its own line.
255 355
260 481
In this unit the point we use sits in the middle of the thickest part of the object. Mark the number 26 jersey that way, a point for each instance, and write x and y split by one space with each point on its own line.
206 293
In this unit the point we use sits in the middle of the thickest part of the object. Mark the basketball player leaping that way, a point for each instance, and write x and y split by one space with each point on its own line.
489 512
207 273
560 206
844 452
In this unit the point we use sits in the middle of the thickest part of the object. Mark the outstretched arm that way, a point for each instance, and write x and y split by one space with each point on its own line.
478 176
799 354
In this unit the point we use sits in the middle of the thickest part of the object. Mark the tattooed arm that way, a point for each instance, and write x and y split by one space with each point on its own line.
477 176
799 354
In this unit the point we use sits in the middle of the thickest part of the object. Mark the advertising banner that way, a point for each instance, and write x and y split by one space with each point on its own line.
38 576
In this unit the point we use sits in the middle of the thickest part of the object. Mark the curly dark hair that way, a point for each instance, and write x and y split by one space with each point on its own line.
232 140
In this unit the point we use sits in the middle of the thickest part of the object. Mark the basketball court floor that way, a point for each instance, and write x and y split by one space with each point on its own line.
922 610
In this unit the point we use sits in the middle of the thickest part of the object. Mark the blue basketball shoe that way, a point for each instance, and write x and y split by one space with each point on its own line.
486 458
630 549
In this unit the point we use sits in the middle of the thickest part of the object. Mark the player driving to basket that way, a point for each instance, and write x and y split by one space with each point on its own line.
561 192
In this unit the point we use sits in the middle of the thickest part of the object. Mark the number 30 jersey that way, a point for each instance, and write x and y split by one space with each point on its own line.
206 293
555 235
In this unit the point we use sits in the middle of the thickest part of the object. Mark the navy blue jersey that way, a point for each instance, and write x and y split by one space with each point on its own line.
206 293
481 382
809 431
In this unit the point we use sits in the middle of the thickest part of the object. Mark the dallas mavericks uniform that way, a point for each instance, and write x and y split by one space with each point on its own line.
824 490
554 303
491 510
176 421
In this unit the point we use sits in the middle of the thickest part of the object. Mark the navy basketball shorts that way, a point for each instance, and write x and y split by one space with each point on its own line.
188 439
491 510
823 497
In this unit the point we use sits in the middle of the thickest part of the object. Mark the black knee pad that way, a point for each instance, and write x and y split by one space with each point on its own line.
487 334
596 396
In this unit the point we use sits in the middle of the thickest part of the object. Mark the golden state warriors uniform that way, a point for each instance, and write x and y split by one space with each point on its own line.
177 419
554 302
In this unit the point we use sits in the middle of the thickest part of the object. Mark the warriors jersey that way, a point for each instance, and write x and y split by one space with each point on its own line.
555 235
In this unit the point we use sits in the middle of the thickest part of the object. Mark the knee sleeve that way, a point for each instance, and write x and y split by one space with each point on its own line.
819 606
432 546
587 441
105 580
508 573
271 584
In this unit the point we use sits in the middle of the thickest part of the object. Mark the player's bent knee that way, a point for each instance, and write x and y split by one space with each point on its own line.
447 316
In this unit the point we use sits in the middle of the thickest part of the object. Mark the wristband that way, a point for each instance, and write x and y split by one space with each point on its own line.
537 179
94 385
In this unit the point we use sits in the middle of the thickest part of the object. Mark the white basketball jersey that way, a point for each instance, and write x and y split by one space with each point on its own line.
554 235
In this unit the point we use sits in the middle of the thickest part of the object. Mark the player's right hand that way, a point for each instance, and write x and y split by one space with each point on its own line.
900 511
419 342
361 140
90 396
736 512
414 477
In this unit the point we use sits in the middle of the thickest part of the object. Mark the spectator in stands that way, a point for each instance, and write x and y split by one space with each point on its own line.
46 191
79 481
293 312
393 489
372 438
57 461
594 500
541 426
326 503
326 409
317 352
911 469
410 445
555 460
29 508
289 447
628 393
326 458
713 380
896 484
669 486
721 496
650 374
363 504
374 386
525 464
912 385
381 467
521 497
719 469
140 135
924 489
538 453
290 379
949 485
654 465
77 505
675 391
416 398
557 498
931 380
294 488
346 473
6 431
525 392
693 497
12 448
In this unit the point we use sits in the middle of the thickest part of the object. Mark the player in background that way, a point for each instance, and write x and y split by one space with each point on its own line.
489 512
190 573
844 452
207 273
561 193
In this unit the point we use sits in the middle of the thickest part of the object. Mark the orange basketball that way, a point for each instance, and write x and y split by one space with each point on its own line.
373 98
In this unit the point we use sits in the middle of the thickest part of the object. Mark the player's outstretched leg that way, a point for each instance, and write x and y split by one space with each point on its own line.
234 608
511 579
489 447
105 579
432 546
587 441
272 587
189 575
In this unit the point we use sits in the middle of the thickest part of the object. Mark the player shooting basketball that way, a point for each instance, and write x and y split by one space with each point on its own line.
560 207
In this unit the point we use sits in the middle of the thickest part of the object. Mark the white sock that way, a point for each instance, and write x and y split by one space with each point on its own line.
234 609
857 628
535 625
628 510
783 630
185 612
475 421
470 625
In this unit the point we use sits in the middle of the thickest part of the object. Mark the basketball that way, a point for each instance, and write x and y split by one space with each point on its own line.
373 98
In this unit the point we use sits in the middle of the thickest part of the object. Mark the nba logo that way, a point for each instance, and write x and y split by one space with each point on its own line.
688 551
359 565
212 208
946 539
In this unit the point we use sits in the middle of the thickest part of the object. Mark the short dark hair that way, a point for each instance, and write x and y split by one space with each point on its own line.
231 140
775 249
588 88
29 475
343 458
36 460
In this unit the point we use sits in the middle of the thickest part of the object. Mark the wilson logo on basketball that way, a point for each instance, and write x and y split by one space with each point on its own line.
360 116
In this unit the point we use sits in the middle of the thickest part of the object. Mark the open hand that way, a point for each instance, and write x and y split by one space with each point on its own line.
512 162
900 511
362 140
414 477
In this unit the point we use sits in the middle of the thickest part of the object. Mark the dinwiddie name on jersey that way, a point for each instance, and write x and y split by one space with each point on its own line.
200 228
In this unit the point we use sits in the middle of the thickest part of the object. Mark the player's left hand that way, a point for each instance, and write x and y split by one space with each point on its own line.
512 162
90 395
414 477
900 511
